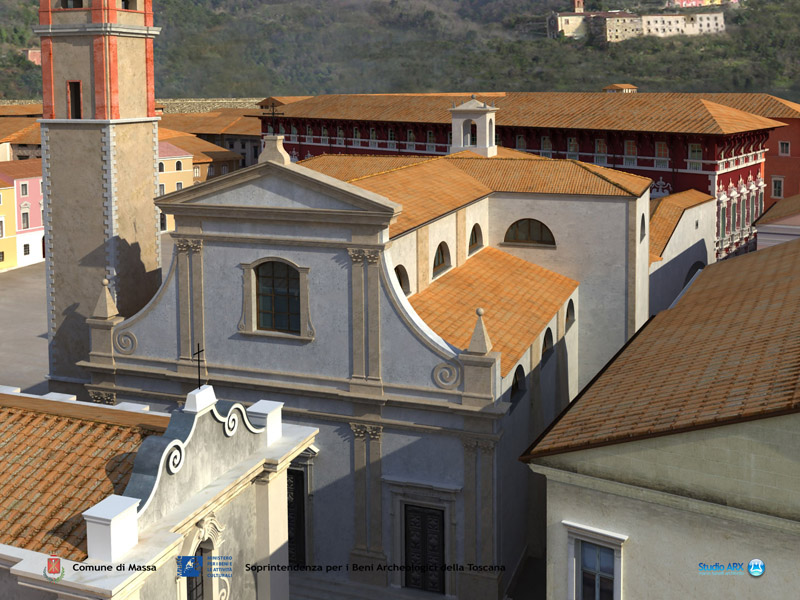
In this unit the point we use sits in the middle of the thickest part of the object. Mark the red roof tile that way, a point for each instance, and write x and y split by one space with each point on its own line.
693 365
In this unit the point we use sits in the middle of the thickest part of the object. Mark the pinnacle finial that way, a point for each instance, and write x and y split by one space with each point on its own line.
473 96
105 307
480 342
105 282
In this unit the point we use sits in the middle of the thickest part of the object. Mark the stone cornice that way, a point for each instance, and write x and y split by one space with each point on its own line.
93 29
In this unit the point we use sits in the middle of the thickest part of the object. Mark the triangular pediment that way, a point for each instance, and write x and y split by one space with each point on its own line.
279 187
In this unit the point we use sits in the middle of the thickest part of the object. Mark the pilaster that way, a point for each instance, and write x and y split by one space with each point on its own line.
373 315
358 311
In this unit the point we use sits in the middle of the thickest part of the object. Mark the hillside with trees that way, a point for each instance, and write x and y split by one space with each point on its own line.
236 48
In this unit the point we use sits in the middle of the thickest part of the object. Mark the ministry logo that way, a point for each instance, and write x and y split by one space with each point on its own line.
190 566
53 571
756 567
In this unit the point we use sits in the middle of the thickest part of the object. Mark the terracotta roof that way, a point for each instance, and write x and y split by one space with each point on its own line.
429 188
11 126
21 110
764 105
232 121
519 298
32 134
694 366
620 86
281 100
58 460
652 112
787 207
167 150
201 150
666 215
21 169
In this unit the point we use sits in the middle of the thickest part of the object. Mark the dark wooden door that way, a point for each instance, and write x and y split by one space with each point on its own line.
424 533
295 491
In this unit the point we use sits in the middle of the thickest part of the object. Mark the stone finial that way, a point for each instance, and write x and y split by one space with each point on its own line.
480 342
105 308
473 96
273 151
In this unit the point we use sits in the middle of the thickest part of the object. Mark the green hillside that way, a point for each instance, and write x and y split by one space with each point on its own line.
262 47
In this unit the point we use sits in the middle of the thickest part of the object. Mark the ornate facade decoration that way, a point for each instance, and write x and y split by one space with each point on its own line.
125 342
447 375
103 397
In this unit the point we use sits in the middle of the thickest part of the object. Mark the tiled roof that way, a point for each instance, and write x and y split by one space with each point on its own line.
429 188
32 135
21 169
20 110
621 86
281 100
58 460
167 150
666 216
652 112
694 366
201 150
764 105
11 126
788 207
231 121
519 298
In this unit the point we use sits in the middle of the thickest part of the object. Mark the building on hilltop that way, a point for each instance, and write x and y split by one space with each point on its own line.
617 26
21 212
680 141
144 490
679 459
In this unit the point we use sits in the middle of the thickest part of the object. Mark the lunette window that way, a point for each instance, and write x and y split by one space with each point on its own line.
529 231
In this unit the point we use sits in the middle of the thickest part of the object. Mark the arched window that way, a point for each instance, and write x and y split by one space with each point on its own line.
470 132
547 344
475 239
570 314
402 278
160 167
197 171
278 297
641 229
178 166
491 131
529 231
518 384
441 261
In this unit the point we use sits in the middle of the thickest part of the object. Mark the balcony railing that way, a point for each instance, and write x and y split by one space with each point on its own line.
661 163
694 165
629 161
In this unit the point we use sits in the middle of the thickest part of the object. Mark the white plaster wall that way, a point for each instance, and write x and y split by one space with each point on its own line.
442 230
752 465
660 558
591 246
403 251
477 214
572 340
769 235
642 207
34 239
691 242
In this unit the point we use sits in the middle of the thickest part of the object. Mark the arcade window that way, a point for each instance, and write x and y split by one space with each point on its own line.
441 260
475 239
529 231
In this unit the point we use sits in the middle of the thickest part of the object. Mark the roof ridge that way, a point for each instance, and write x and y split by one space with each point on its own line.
422 162
585 167
716 105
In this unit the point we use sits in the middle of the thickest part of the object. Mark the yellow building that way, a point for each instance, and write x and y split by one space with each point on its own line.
175 172
8 229
208 160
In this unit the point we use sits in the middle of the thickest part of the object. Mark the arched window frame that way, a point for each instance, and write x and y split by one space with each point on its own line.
401 274
547 344
441 259
475 242
248 324
530 238
160 167
178 165
642 229
571 317
518 384
207 539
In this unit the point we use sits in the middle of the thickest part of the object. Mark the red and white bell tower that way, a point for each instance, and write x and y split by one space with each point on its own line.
100 168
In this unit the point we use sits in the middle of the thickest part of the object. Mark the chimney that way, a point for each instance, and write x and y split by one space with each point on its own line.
111 528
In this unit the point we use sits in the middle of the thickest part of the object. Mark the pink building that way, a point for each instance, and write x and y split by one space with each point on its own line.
29 201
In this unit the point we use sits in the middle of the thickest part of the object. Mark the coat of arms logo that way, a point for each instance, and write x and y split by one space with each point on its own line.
53 571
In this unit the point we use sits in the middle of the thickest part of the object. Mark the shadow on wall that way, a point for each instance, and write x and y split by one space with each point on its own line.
668 281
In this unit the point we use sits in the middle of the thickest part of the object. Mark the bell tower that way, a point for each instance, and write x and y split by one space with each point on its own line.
100 168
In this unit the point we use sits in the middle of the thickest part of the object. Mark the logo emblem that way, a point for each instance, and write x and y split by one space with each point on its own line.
190 566
756 567
53 571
